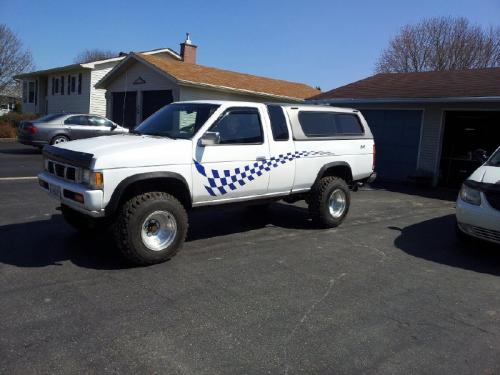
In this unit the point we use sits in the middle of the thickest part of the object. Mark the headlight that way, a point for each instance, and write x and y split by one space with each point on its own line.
470 195
95 180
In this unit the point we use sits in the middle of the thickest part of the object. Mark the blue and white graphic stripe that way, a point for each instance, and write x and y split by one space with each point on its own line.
221 182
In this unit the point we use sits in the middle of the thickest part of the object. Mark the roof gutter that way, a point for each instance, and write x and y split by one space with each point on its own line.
51 71
458 99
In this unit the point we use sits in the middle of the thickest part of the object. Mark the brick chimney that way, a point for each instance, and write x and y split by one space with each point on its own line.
188 51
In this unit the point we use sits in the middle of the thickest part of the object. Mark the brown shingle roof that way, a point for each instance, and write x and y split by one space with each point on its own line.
442 84
203 75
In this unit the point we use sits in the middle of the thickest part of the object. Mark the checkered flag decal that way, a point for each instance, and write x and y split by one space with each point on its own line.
222 182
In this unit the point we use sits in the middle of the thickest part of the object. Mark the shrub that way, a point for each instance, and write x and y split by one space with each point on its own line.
10 122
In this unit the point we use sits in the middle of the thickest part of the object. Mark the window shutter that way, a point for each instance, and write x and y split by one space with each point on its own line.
69 80
79 83
36 91
53 84
62 85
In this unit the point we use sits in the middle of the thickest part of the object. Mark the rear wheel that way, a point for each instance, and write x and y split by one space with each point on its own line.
151 228
329 202
59 139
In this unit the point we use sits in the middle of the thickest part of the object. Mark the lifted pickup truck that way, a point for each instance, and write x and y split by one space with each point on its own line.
200 153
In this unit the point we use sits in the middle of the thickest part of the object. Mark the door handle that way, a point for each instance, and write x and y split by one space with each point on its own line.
260 158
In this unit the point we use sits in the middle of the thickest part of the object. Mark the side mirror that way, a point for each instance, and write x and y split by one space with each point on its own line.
210 139
480 155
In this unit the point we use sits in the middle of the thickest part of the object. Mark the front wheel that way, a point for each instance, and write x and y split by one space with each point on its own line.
151 228
329 202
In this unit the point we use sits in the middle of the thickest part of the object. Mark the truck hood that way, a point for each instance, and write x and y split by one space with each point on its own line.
132 150
486 174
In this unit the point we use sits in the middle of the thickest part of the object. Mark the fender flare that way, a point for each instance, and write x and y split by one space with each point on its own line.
327 166
112 206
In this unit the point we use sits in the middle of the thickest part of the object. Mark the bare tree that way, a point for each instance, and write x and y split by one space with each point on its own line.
93 55
442 43
14 59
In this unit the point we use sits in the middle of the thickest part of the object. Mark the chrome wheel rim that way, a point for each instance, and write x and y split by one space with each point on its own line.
337 203
59 140
158 230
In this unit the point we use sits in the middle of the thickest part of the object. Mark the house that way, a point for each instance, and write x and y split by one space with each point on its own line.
8 103
71 88
427 124
141 84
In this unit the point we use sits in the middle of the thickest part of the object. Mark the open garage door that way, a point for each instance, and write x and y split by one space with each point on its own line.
153 100
397 138
124 108
465 132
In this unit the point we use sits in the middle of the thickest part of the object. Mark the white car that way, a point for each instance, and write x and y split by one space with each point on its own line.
201 153
478 203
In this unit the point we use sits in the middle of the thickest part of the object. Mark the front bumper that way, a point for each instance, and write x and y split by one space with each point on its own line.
92 199
479 221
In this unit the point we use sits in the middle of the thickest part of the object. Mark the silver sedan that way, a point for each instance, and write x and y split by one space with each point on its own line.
63 127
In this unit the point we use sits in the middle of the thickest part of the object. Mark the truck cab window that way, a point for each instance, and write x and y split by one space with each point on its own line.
278 123
239 125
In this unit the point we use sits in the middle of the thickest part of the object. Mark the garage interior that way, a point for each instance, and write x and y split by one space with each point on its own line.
127 105
465 134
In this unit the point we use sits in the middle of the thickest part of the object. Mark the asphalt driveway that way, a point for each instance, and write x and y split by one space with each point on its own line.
390 291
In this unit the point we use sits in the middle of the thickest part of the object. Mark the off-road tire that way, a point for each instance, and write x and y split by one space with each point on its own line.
318 201
83 223
128 226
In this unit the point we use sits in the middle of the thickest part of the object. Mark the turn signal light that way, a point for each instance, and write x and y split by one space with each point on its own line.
99 180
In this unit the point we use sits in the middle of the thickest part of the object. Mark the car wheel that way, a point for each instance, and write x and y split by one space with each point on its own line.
329 202
151 228
59 139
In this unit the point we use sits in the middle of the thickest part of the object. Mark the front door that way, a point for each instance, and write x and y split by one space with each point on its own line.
124 108
236 167
80 127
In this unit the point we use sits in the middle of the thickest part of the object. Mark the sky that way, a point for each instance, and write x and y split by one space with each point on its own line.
321 43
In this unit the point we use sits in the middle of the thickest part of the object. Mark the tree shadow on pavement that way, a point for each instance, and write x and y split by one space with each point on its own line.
50 242
435 240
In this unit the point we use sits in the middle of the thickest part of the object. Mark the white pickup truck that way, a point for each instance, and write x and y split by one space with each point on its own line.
200 153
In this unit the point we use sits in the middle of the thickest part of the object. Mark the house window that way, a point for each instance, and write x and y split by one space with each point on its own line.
73 83
62 85
25 91
31 92
69 84
79 83
56 85
53 85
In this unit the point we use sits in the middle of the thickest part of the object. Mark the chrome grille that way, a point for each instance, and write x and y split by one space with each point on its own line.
487 234
66 172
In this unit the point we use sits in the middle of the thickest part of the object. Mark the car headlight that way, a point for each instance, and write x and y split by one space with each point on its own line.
94 180
470 195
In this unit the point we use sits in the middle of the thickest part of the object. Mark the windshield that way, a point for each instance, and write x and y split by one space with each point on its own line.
177 120
495 159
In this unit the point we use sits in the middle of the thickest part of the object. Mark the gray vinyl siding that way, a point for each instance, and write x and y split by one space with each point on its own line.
98 96
76 103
